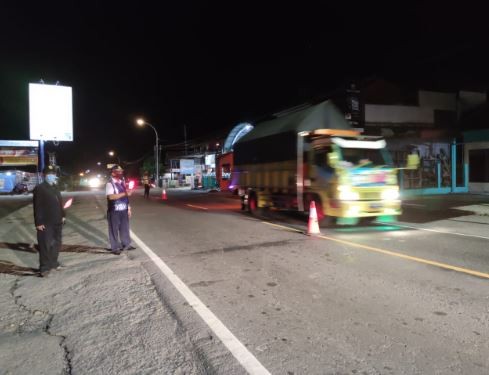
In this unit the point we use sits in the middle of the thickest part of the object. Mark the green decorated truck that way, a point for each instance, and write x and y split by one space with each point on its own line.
313 154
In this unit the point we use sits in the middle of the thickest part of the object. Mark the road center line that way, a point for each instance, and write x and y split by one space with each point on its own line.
237 349
202 208
392 253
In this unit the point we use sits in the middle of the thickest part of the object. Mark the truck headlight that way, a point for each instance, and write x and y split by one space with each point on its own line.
390 194
347 195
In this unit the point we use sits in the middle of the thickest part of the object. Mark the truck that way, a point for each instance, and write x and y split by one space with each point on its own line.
313 154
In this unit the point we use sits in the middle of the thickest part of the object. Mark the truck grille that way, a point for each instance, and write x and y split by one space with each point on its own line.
369 195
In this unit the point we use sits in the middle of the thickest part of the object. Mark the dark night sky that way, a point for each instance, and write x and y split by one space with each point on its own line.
210 65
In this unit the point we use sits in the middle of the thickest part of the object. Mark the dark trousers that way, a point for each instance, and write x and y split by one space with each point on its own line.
49 241
118 229
146 191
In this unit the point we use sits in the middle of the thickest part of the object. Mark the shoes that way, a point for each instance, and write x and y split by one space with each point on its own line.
60 267
44 274
116 252
130 247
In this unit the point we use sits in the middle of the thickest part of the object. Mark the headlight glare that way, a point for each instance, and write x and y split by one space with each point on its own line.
390 194
346 194
94 182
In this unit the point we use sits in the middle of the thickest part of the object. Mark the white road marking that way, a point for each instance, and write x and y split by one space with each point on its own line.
237 349
200 207
440 231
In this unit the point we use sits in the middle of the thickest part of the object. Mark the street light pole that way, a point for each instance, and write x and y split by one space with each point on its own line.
141 122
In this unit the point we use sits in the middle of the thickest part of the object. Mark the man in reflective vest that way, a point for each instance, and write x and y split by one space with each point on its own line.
118 211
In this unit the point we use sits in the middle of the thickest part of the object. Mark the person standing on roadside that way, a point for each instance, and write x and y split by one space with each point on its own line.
49 217
118 211
146 184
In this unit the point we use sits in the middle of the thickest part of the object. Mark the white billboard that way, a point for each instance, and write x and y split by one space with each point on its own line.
50 112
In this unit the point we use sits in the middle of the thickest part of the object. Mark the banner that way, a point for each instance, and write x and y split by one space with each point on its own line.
17 152
18 160
186 166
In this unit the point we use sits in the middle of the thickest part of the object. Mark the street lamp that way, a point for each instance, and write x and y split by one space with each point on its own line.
141 122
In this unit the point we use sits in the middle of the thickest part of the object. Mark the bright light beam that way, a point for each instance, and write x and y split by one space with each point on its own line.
68 203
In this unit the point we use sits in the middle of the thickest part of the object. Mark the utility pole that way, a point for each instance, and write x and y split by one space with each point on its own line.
52 158
141 122
41 155
185 137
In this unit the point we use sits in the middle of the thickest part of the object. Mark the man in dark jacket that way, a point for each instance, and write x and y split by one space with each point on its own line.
49 217
146 184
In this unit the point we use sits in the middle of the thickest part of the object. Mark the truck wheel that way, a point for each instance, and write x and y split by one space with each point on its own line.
367 221
324 220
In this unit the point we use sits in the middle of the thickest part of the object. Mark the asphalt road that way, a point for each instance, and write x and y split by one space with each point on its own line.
410 298
342 303
10 203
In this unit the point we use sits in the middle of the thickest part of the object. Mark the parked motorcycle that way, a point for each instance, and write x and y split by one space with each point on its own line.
20 188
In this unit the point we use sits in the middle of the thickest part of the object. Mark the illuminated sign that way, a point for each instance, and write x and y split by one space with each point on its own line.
368 177
210 160
18 160
347 143
17 153
187 166
50 112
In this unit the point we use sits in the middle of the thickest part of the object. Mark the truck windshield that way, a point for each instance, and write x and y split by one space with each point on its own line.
364 157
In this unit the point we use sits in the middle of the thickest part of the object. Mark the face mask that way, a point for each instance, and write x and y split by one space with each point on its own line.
51 179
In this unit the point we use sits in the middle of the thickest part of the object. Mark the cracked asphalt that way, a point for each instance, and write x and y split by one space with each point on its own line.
100 315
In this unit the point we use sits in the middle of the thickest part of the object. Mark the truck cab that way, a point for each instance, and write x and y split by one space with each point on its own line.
351 177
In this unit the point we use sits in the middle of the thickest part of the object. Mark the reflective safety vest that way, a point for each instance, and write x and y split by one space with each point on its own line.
120 204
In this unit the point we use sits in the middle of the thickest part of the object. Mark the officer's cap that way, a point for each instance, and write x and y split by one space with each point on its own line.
117 168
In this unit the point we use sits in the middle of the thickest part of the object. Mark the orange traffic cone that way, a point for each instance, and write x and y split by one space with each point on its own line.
313 224
163 195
